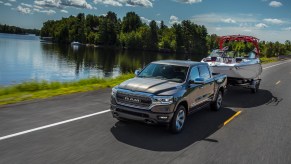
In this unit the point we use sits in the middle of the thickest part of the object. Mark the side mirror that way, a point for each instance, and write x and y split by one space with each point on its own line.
136 72
198 80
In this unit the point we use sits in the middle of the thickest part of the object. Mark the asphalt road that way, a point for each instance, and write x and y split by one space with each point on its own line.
54 131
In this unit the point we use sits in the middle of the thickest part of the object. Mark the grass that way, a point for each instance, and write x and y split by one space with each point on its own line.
265 60
40 90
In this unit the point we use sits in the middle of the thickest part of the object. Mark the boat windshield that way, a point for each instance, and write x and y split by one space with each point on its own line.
217 53
165 72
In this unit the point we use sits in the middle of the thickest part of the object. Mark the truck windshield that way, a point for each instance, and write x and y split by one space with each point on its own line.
166 72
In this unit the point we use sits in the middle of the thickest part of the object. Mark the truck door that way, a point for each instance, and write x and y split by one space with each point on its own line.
195 91
208 87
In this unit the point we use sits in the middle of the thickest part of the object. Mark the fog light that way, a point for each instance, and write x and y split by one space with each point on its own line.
163 117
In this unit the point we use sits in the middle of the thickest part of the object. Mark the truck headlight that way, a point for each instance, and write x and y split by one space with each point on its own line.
162 100
113 92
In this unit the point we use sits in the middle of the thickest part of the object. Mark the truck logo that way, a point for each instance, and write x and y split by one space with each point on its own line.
131 99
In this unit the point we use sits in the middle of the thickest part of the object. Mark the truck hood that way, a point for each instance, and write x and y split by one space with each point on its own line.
149 85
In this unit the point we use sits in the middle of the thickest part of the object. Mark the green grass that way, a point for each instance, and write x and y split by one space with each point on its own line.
265 60
40 90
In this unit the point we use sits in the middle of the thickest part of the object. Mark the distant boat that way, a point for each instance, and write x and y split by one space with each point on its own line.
76 43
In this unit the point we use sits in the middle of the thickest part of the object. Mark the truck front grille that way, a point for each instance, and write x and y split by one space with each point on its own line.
133 100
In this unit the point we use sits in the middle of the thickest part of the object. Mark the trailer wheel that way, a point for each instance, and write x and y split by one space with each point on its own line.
256 89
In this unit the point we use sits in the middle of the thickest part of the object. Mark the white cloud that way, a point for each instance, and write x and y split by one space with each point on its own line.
26 5
36 10
109 2
48 12
189 1
145 20
1 2
37 7
142 3
63 3
274 21
174 19
287 29
7 4
228 20
218 28
64 11
275 4
213 18
12 0
261 25
23 10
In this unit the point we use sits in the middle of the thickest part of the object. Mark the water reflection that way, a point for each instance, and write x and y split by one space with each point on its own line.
52 62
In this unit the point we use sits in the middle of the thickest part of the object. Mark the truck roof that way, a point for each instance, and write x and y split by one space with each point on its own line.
179 62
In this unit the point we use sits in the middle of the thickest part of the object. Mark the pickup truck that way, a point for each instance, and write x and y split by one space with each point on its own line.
166 92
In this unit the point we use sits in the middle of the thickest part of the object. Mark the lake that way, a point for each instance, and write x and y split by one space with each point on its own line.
25 58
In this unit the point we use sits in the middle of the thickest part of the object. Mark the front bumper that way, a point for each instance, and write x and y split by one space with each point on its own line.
149 117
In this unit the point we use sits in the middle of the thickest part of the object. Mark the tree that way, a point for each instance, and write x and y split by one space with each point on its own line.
131 22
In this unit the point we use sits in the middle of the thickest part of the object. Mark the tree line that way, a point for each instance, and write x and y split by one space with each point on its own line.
17 30
129 32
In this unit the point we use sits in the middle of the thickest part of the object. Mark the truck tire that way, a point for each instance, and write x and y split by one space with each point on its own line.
216 105
178 120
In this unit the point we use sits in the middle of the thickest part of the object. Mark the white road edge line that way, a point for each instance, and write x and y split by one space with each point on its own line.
52 125
278 82
276 65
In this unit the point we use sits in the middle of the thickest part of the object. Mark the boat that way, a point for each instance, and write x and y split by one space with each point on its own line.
76 43
232 64
242 71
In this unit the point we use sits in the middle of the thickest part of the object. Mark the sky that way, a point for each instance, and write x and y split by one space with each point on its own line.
265 19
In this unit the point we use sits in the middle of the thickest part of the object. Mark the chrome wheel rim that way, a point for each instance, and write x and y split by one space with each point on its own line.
180 119
219 100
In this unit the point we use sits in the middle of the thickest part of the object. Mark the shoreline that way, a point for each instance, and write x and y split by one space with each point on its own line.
43 89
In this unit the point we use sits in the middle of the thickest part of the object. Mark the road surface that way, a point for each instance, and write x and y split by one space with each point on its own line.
78 128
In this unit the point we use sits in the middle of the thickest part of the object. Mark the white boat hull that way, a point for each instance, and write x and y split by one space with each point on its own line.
249 71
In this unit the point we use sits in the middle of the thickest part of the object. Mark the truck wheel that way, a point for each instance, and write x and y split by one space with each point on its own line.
178 119
216 105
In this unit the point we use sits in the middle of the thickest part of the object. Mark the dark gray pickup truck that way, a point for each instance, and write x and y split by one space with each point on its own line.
166 92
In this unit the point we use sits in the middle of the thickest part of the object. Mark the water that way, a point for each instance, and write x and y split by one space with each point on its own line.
25 58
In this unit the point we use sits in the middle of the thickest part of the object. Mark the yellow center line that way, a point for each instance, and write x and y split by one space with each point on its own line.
231 118
278 82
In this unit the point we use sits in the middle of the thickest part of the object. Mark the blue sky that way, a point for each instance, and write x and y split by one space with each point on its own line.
266 19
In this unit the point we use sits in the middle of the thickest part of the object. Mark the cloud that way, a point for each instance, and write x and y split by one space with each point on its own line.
261 25
145 20
214 18
228 20
274 21
64 11
7 4
275 4
1 2
37 7
12 0
174 19
189 1
26 5
108 2
63 3
287 29
23 10
48 12
119 3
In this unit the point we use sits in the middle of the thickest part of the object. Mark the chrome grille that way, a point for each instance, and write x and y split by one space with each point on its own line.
133 100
